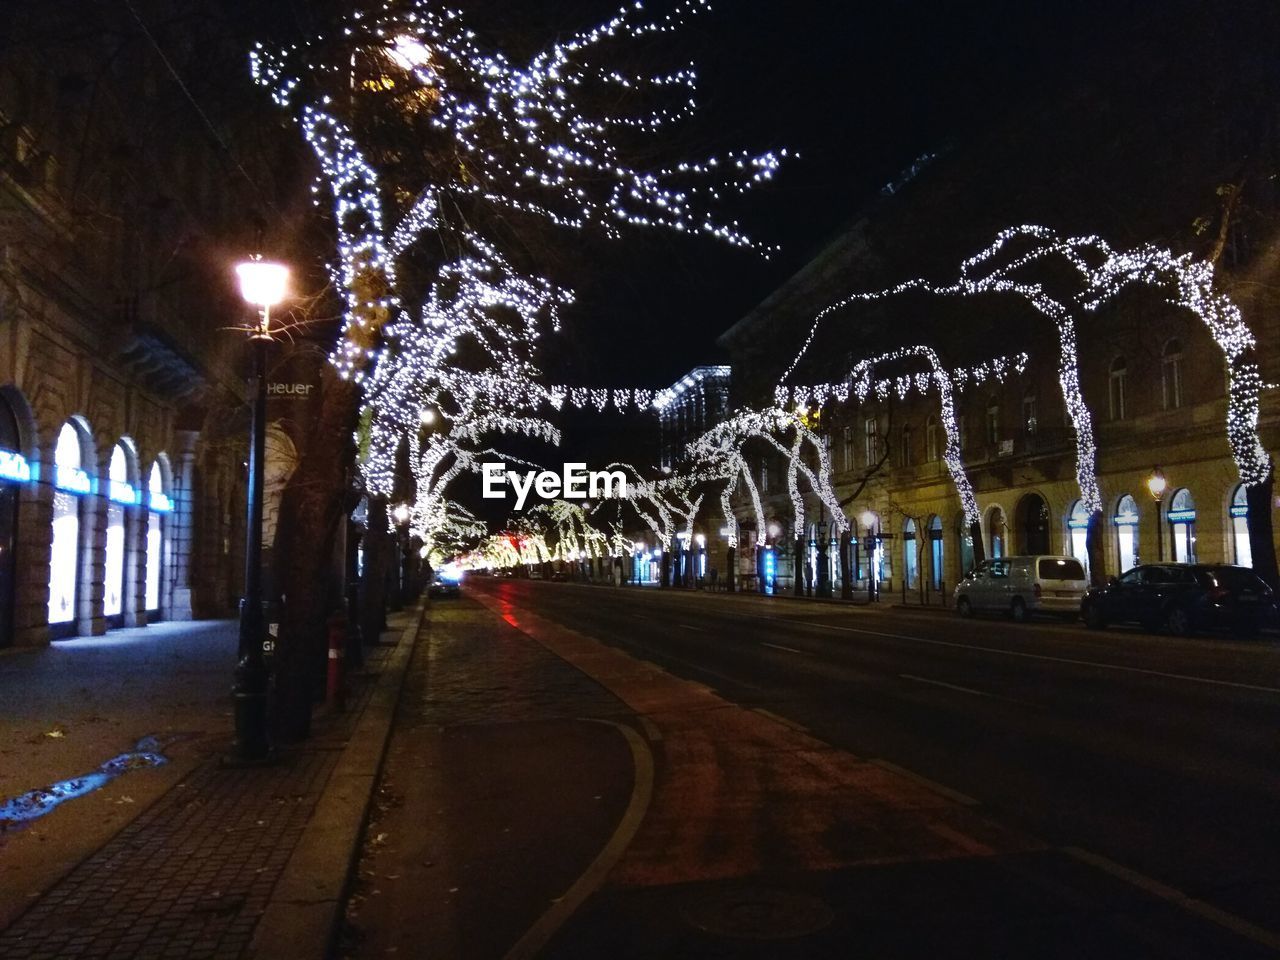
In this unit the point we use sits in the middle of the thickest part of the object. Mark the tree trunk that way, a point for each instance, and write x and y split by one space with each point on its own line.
1261 544
378 545
979 548
798 567
846 575
1093 548
731 569
310 510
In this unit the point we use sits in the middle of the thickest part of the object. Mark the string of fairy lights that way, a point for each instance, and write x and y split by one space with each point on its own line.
529 137
442 377
526 137
1103 274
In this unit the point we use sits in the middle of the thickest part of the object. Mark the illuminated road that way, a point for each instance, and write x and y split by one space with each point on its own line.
1151 758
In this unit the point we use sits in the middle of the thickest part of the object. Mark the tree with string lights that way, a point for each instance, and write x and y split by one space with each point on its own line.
420 132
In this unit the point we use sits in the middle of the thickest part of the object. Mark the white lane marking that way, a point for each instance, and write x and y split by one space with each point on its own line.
686 626
776 718
1201 909
778 646
949 686
933 785
537 936
1044 656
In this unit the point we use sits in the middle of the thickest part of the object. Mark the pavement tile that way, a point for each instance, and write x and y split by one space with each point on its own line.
187 878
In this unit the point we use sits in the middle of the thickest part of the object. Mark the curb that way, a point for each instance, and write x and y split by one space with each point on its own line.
301 917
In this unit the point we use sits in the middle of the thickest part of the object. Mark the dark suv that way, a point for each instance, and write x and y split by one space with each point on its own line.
1183 598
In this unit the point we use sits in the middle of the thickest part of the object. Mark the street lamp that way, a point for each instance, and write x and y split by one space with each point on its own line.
262 284
869 520
1156 484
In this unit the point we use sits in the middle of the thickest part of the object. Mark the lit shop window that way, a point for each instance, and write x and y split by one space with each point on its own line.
120 494
1182 526
1078 524
160 504
1126 524
71 483
1240 527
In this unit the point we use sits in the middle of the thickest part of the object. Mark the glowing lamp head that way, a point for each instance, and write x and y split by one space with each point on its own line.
1156 483
427 416
262 283
700 539
401 513
868 519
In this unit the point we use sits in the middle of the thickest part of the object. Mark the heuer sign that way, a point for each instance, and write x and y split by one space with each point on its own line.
290 391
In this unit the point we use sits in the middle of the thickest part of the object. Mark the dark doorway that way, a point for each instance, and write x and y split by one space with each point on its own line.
1033 524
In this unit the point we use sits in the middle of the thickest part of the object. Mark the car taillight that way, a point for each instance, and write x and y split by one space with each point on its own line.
1036 589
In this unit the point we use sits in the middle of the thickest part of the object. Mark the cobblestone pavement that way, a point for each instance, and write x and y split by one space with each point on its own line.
191 876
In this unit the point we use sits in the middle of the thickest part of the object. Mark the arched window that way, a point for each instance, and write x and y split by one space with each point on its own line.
1032 518
71 482
1078 524
159 506
1182 526
935 552
1126 524
997 534
1241 544
1119 371
932 446
1171 374
120 494
910 553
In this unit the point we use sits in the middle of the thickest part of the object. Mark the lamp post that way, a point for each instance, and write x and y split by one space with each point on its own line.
262 284
1156 484
873 573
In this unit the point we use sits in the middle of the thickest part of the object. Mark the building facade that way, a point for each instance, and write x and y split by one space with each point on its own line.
689 407
122 423
1085 158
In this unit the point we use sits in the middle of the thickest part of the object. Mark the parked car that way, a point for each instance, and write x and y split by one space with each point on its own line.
1183 598
559 577
1022 586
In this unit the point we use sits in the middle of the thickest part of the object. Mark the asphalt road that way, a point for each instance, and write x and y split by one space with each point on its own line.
1158 754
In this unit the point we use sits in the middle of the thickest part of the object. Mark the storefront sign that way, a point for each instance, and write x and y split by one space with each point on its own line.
290 391
121 492
14 466
72 480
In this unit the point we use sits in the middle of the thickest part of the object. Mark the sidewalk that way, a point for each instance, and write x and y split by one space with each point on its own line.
189 854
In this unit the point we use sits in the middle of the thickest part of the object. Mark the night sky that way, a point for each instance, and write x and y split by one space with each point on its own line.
859 90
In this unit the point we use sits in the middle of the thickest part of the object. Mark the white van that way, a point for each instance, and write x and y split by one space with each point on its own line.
1021 586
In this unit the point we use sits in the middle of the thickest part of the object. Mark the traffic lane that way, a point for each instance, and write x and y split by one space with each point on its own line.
1156 774
1215 657
1024 665
1147 717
